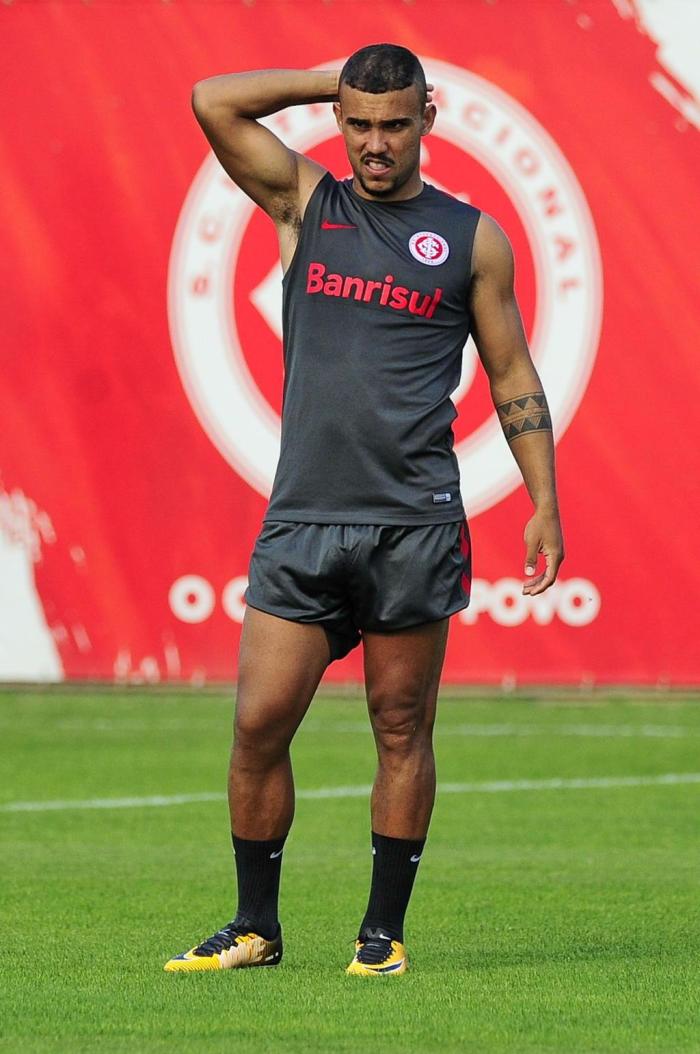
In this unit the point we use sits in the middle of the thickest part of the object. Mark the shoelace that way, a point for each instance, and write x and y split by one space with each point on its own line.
375 949
221 941
373 953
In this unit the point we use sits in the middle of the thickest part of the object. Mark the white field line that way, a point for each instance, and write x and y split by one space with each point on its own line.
492 787
57 805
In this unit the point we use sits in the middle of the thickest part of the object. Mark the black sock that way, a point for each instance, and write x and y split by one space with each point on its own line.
258 867
394 866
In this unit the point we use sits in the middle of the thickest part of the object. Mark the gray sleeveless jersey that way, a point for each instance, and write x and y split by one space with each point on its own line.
375 317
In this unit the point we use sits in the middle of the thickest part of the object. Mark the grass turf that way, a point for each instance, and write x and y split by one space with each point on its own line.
542 919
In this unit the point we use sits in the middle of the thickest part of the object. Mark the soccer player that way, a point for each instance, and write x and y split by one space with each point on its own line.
365 535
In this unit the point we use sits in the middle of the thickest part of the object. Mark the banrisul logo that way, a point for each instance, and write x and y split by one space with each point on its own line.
368 291
224 285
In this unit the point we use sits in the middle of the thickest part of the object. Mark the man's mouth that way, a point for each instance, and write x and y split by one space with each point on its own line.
376 166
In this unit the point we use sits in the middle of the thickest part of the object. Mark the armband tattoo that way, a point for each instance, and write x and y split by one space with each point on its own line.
527 413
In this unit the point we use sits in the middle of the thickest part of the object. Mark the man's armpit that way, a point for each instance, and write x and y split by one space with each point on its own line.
285 213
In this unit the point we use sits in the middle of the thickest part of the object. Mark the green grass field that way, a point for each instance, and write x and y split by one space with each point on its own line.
557 907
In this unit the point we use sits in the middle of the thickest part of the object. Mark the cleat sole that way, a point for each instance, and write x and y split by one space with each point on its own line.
358 970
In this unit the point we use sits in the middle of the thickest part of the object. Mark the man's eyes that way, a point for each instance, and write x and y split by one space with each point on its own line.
390 125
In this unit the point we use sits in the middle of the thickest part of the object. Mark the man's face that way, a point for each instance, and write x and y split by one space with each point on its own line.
382 136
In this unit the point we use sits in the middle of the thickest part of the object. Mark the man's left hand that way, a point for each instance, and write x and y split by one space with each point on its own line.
542 536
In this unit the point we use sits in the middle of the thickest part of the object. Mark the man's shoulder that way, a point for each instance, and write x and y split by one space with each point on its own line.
324 185
313 178
459 206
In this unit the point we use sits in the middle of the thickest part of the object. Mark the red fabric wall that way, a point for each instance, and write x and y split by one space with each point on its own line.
138 288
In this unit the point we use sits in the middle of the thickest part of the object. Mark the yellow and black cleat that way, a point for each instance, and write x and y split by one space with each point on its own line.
233 947
377 955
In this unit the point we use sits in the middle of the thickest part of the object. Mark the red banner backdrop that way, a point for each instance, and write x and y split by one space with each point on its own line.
141 378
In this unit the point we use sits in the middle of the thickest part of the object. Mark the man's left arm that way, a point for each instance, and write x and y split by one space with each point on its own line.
517 394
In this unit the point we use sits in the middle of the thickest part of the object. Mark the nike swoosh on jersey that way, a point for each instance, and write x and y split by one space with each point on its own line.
326 225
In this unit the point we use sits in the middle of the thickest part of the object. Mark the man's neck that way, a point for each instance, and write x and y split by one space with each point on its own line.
410 189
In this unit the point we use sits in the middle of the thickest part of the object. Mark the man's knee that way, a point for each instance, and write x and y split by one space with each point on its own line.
401 716
261 731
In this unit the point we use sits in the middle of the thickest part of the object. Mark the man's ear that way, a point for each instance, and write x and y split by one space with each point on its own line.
338 116
428 119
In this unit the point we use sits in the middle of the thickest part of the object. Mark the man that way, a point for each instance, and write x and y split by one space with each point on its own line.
365 534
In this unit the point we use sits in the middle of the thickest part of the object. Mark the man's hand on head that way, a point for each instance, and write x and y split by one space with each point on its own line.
336 74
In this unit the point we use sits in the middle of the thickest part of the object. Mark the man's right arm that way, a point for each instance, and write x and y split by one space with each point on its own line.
227 107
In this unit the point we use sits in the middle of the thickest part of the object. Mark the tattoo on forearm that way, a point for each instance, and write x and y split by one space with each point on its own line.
527 413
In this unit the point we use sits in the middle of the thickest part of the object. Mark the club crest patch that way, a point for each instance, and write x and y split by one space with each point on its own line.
429 248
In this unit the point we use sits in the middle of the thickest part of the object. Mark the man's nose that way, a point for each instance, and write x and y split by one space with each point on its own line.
376 141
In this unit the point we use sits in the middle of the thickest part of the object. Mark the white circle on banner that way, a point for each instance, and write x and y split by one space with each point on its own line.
429 248
191 598
497 131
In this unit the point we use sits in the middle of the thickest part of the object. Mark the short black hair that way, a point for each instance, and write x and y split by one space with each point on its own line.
380 68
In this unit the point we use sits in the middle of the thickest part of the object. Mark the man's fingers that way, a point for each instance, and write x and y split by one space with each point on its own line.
540 584
533 585
542 536
545 580
531 559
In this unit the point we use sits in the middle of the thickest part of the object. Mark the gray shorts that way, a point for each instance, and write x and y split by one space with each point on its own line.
348 578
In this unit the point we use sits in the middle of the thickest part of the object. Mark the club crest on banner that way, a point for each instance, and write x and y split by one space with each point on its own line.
488 125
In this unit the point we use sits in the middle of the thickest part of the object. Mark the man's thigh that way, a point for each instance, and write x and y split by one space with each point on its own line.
280 664
403 669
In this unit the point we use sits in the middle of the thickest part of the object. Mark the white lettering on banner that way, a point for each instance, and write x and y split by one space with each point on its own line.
575 602
191 598
232 598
